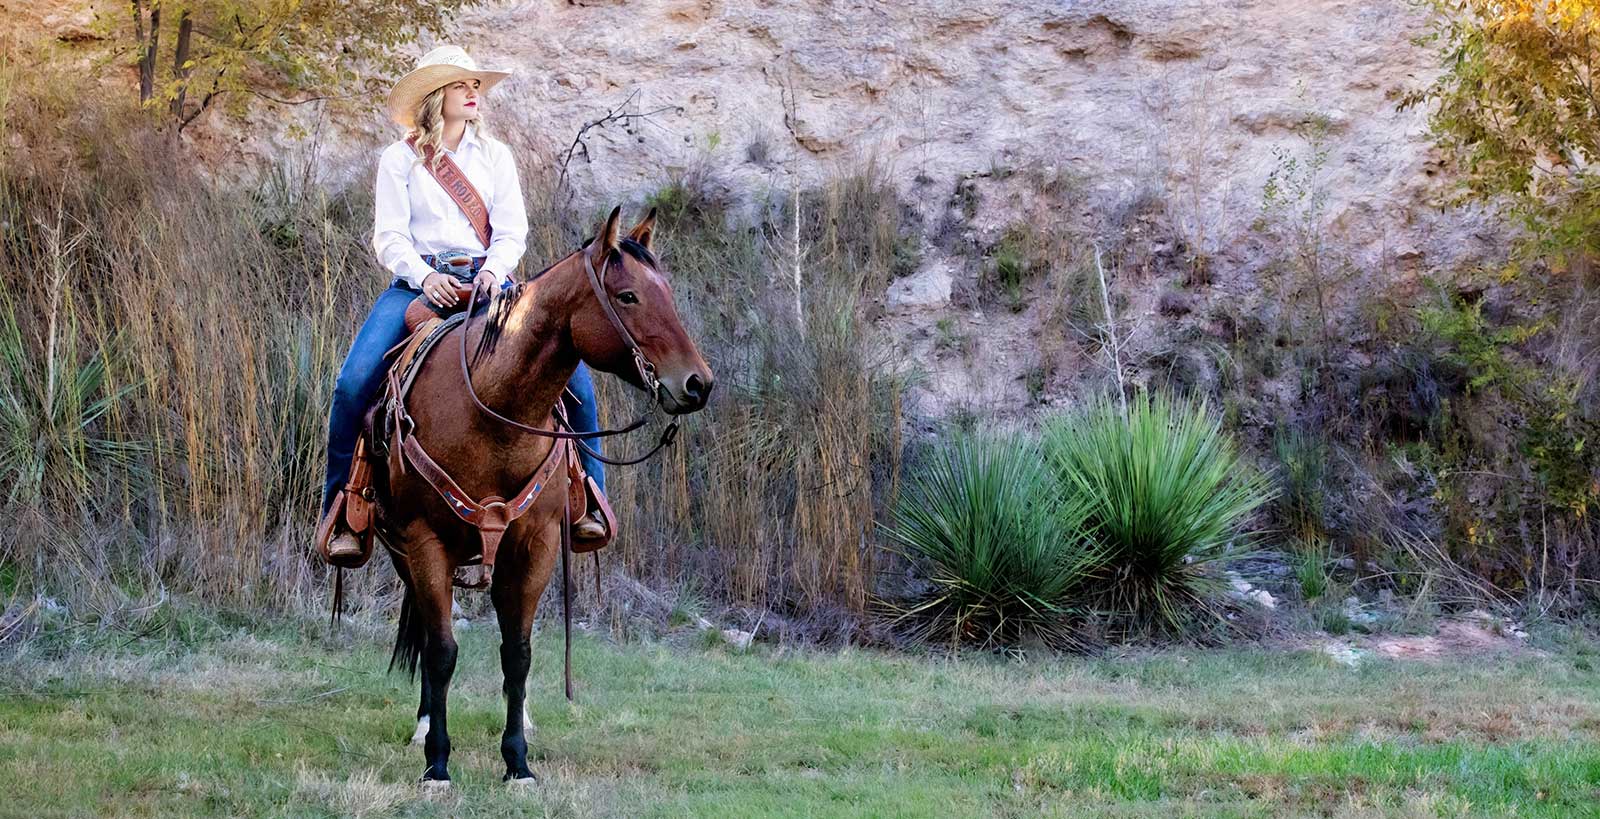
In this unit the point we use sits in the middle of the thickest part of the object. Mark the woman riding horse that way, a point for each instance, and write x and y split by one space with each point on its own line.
474 482
422 236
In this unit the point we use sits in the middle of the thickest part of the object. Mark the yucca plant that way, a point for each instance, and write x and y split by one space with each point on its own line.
53 401
1002 548
1163 491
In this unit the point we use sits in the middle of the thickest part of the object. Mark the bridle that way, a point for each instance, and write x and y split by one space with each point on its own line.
646 368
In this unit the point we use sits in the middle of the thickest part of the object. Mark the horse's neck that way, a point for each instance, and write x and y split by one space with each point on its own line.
534 357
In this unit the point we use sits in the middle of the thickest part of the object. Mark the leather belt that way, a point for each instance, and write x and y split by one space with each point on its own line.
438 263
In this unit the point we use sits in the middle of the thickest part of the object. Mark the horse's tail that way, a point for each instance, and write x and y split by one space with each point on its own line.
409 636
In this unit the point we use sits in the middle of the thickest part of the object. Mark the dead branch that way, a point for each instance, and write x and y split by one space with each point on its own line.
617 115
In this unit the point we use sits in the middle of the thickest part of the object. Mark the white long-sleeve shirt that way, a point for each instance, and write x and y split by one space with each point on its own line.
414 216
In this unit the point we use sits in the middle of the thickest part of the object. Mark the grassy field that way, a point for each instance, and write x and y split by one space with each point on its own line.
203 715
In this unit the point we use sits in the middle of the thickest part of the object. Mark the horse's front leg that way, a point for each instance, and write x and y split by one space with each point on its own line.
516 591
438 656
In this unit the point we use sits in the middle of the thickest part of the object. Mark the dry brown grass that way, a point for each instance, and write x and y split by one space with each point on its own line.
187 332
771 497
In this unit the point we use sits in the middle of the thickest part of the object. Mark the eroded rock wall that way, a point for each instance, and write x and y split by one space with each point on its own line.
1178 111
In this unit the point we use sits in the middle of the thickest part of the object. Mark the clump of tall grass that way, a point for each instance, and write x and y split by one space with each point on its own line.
54 400
1115 511
773 494
1166 494
167 350
1303 458
1004 550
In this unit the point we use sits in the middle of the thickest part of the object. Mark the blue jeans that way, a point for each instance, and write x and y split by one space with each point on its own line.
362 376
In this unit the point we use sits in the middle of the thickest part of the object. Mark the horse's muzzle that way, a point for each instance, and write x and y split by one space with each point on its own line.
688 394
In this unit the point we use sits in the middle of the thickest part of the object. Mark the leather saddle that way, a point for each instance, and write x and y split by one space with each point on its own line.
385 435
420 311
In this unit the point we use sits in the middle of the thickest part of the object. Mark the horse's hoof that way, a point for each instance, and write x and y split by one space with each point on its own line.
521 784
421 734
434 788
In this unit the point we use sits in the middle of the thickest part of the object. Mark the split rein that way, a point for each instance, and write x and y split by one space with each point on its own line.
647 374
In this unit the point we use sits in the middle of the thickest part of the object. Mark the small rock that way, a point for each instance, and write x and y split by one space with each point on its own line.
1357 613
1263 598
1175 303
73 27
924 290
1408 250
738 639
1347 656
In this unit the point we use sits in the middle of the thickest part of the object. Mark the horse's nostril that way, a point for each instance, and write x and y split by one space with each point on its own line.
694 389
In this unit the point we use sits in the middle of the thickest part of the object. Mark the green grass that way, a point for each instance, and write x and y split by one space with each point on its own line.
223 720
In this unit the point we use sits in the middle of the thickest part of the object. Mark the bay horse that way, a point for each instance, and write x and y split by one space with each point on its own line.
528 346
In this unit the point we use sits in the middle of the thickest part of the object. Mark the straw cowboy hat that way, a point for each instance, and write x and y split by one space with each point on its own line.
436 69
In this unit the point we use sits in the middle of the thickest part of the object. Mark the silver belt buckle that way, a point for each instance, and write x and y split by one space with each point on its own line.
457 263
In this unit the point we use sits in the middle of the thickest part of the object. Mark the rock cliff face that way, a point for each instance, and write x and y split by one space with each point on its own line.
1179 108
1183 108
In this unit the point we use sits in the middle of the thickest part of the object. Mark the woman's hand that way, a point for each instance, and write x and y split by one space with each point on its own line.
440 290
484 281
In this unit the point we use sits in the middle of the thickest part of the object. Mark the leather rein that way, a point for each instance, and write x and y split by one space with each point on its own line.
647 374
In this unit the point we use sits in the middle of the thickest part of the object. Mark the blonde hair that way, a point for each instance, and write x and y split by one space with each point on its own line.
429 130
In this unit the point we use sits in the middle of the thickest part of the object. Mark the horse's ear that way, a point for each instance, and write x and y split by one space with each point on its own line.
646 228
606 240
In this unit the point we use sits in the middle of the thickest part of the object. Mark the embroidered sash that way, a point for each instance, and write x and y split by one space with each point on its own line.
454 181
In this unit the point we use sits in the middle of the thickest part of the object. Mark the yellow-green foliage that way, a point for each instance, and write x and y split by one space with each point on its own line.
1516 466
193 54
1516 108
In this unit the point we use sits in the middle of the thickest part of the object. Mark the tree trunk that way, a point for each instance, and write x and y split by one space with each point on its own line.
180 60
148 42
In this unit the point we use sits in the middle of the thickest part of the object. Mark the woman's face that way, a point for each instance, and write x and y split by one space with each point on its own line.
461 101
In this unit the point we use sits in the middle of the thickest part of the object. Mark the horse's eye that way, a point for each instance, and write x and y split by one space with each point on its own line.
628 297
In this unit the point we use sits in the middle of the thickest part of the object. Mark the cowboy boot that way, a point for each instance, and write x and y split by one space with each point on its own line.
344 544
589 528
